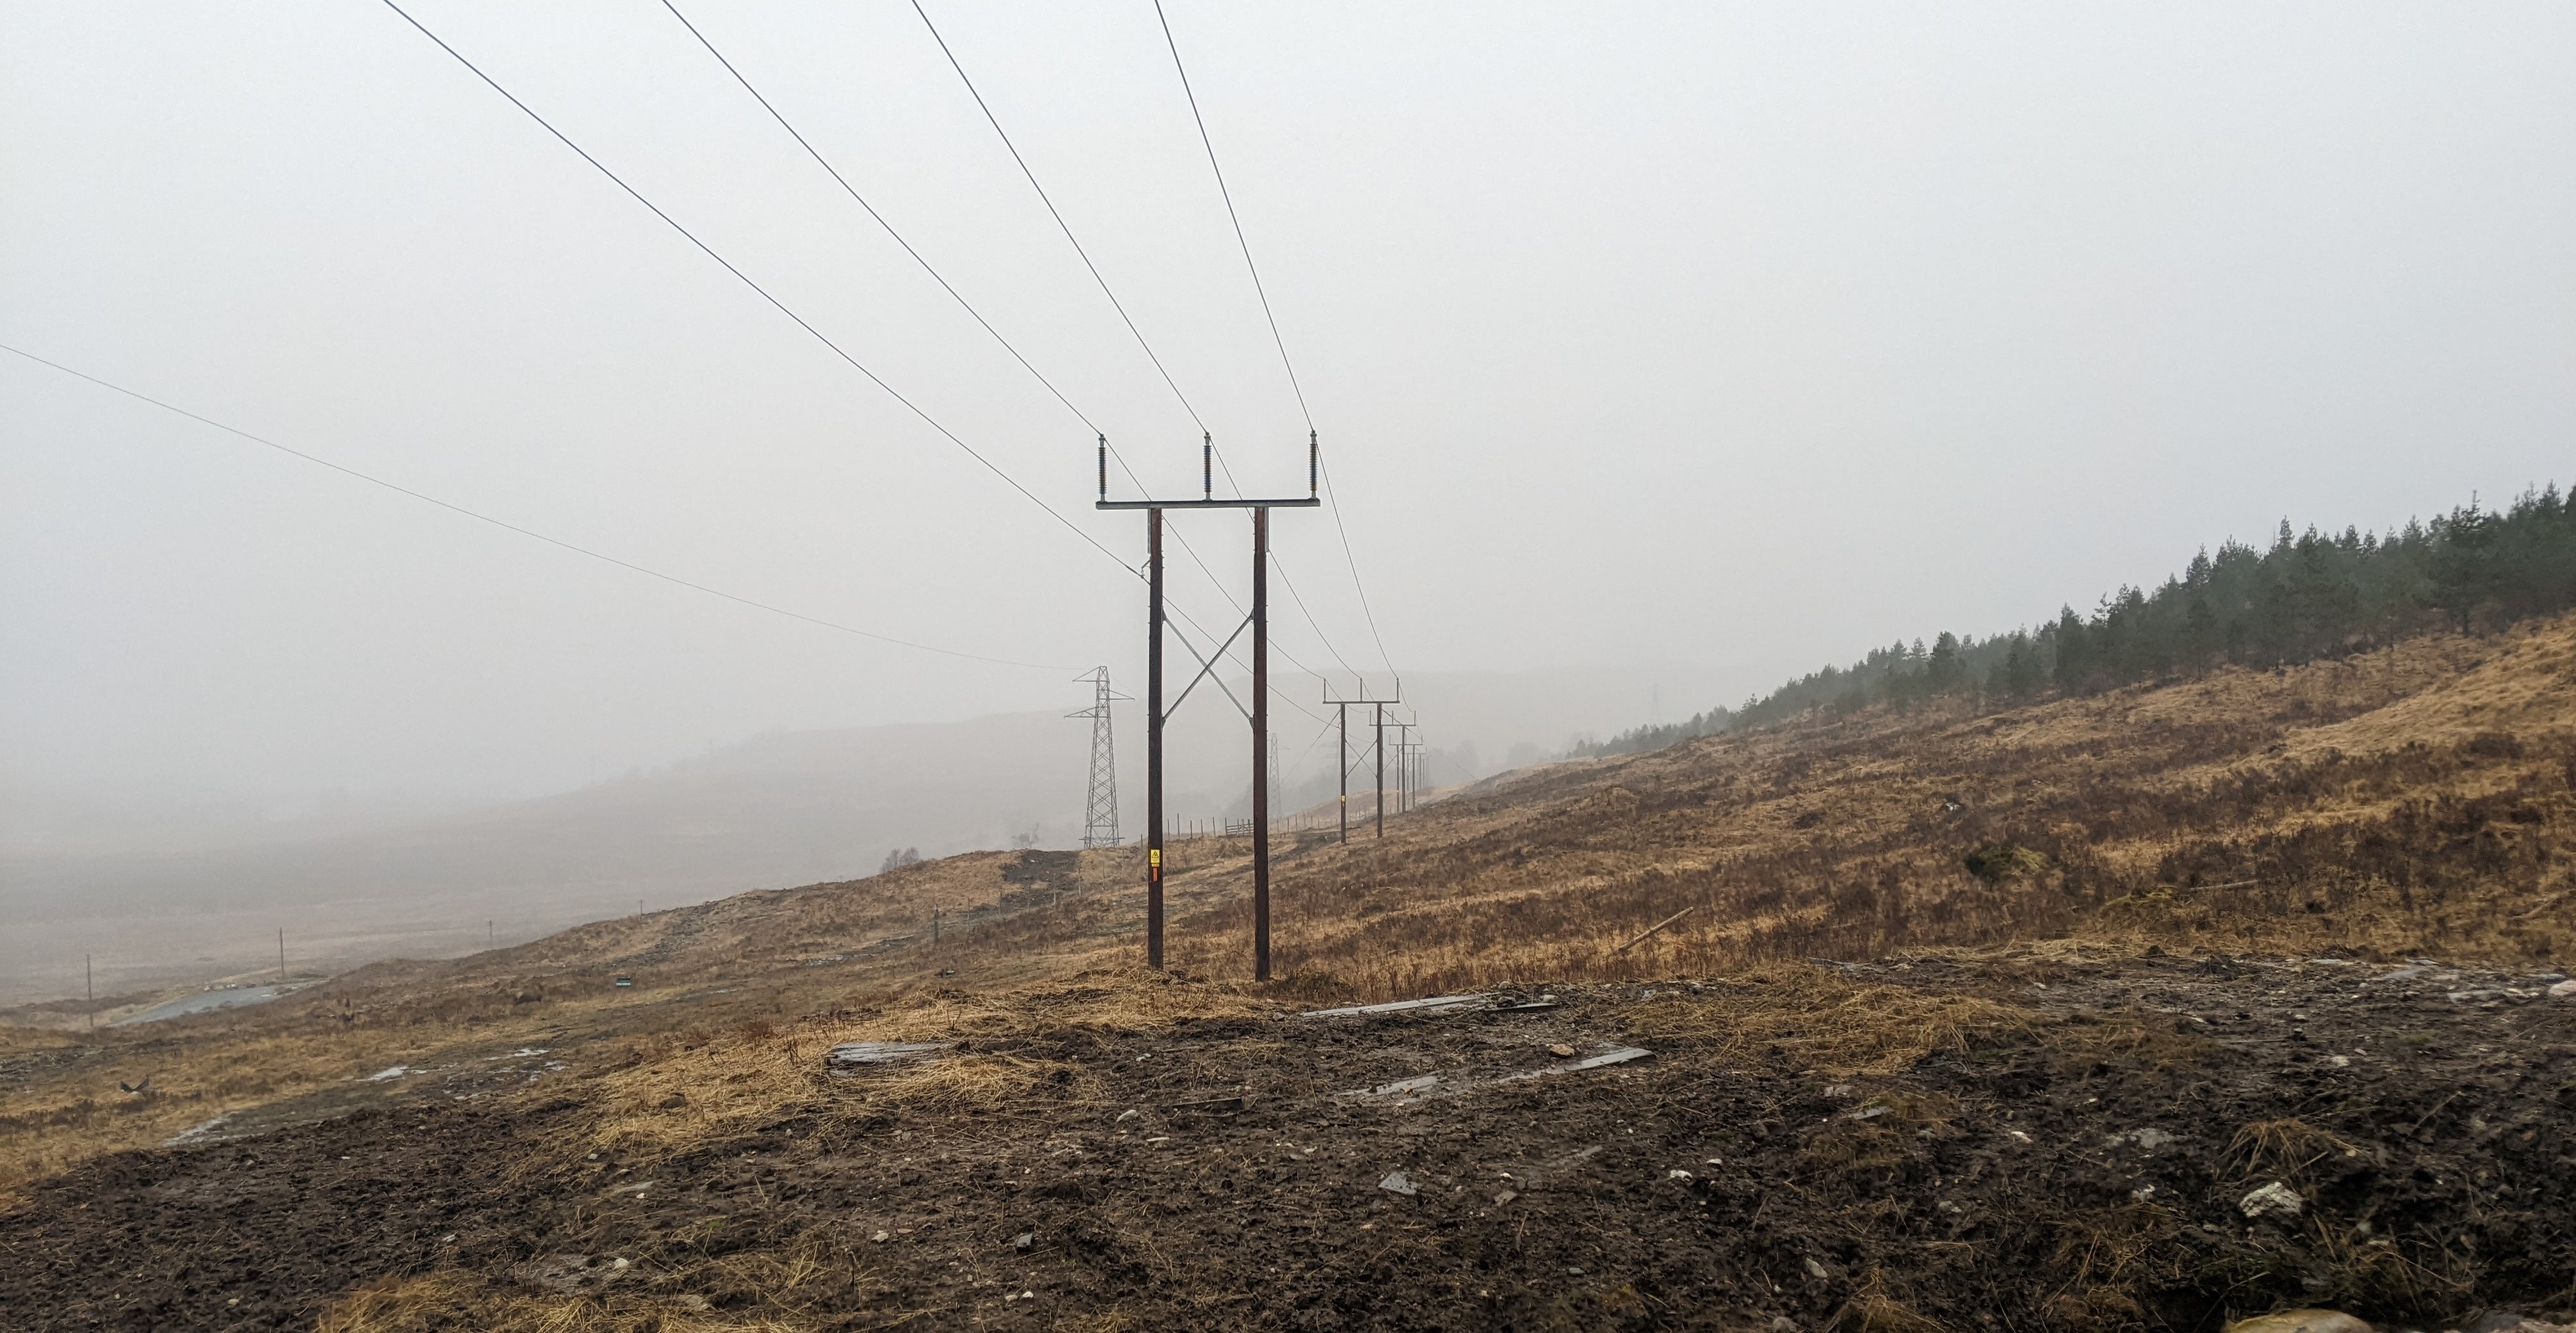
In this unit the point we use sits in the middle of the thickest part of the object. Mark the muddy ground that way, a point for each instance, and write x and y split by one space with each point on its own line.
2083 1170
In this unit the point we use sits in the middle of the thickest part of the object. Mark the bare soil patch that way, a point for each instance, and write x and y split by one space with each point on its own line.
2031 1139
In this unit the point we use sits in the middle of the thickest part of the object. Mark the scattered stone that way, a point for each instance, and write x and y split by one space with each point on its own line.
880 1238
1817 1271
2149 1138
2279 1200
1397 1182
1678 1174
1024 1240
1840 1090
1561 1051
2300 1321
1506 1197
2565 990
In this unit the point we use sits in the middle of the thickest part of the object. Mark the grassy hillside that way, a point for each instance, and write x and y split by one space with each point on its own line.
2047 923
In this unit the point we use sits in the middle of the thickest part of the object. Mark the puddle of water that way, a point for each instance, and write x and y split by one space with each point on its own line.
205 1002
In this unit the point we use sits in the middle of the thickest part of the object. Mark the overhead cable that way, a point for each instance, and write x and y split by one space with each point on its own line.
1263 293
1053 212
935 276
747 281
1230 214
505 524
872 212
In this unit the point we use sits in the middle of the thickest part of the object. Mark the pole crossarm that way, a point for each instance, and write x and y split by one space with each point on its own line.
1308 503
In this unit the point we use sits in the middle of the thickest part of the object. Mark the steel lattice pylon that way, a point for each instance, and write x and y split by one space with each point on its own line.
1100 811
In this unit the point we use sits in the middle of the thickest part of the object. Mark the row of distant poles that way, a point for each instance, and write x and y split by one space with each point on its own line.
1100 808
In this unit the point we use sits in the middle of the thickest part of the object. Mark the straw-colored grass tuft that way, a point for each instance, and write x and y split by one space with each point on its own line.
451 1299
1802 1018
2286 1148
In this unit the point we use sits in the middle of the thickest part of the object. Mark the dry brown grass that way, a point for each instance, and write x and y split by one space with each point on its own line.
452 1299
680 1096
52 1123
2283 1148
2413 799
1799 1017
2087 1042
1874 1309
2417 799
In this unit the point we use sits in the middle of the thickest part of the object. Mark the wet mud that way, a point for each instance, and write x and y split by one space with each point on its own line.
2167 1143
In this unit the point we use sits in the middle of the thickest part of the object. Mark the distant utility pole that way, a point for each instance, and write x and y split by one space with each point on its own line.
1403 766
1258 621
1100 810
89 982
281 956
1408 753
1380 746
1345 706
491 934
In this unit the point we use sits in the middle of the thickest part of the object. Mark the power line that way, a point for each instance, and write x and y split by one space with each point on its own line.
1300 600
1228 195
926 266
728 264
969 307
453 507
1263 293
1061 224
1354 562
862 202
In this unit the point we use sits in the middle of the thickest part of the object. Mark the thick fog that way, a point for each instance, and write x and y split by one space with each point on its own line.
1740 337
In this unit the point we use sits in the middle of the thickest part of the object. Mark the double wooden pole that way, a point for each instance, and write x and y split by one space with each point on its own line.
1258 716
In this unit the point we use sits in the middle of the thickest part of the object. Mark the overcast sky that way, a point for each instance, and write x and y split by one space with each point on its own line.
1741 335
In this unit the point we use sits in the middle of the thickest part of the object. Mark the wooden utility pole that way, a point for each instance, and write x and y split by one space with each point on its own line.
1261 744
1153 736
1258 715
1379 745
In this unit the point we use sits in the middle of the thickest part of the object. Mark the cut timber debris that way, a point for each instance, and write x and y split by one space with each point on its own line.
1616 1056
1437 1004
1649 932
851 1057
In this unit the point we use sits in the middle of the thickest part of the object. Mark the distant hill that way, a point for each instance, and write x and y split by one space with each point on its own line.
778 810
